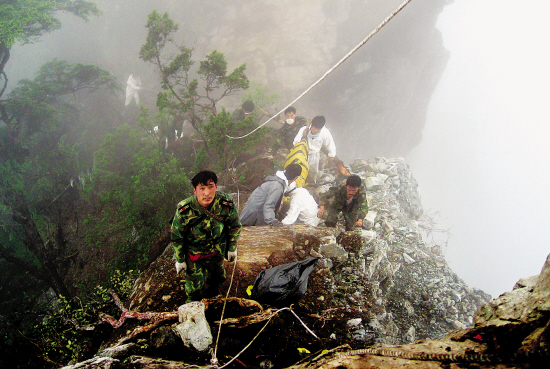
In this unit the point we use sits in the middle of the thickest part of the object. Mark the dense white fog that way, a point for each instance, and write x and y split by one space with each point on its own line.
484 161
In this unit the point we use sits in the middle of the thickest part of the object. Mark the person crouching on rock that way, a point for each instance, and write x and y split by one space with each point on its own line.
263 203
350 199
205 229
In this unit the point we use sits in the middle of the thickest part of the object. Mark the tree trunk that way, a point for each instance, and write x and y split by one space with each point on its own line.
4 57
49 272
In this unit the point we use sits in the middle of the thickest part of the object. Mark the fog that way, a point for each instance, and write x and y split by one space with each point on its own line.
484 159
482 163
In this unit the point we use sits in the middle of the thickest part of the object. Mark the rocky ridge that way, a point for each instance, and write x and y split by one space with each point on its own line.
377 285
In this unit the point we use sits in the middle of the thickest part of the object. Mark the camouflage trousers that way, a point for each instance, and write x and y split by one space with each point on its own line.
350 217
209 271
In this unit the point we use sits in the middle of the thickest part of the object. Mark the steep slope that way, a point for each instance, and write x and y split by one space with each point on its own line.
381 285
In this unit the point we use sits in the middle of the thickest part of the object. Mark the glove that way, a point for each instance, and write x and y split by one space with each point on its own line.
180 266
231 255
275 223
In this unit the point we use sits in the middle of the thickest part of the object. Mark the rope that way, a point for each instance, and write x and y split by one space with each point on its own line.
214 360
331 69
261 330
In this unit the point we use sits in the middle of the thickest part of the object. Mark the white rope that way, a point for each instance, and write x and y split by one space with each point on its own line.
214 360
331 69
253 339
261 330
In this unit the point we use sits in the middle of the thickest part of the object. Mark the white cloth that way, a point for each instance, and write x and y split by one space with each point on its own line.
302 207
323 140
132 87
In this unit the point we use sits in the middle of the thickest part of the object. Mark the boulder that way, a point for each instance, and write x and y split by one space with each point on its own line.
193 328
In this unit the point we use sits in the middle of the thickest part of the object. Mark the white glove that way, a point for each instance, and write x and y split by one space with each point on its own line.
180 266
231 255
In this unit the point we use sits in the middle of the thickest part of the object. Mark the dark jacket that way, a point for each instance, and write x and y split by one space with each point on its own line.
263 203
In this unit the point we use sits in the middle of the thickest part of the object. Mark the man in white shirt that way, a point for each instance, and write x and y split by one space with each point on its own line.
318 137
303 208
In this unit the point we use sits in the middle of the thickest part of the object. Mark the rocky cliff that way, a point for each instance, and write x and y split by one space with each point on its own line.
382 285
381 93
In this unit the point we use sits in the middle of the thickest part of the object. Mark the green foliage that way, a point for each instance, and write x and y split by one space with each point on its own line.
137 188
37 160
26 20
183 95
261 96
227 150
66 330
164 123
34 104
160 28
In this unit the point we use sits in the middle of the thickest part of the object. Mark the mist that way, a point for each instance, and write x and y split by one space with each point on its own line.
484 161
468 119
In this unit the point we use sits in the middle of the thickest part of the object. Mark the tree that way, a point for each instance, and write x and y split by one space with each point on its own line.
227 150
183 96
26 20
36 164
137 188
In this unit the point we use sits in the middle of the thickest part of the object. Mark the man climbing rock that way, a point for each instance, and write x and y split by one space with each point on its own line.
263 203
205 229
350 199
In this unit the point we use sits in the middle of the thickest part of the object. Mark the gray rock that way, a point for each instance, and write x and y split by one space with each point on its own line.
408 259
335 252
375 183
354 322
193 328
119 351
370 219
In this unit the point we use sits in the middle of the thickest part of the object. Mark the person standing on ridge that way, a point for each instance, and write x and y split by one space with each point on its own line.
205 230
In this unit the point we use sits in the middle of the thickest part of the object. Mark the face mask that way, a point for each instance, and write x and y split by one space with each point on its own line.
314 136
290 121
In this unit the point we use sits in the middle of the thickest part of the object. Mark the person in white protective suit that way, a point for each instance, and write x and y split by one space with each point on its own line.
318 137
303 208
132 87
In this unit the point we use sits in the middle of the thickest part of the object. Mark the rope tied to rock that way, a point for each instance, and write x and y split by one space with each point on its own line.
375 31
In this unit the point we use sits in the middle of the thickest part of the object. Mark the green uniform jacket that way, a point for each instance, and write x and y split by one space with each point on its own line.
197 232
288 132
358 204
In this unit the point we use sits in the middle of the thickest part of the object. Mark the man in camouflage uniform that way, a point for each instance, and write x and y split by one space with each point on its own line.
289 129
350 199
205 229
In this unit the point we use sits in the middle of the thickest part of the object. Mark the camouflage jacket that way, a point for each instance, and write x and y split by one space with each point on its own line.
339 197
197 232
288 132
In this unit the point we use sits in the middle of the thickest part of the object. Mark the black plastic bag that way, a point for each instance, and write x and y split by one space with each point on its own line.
284 284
